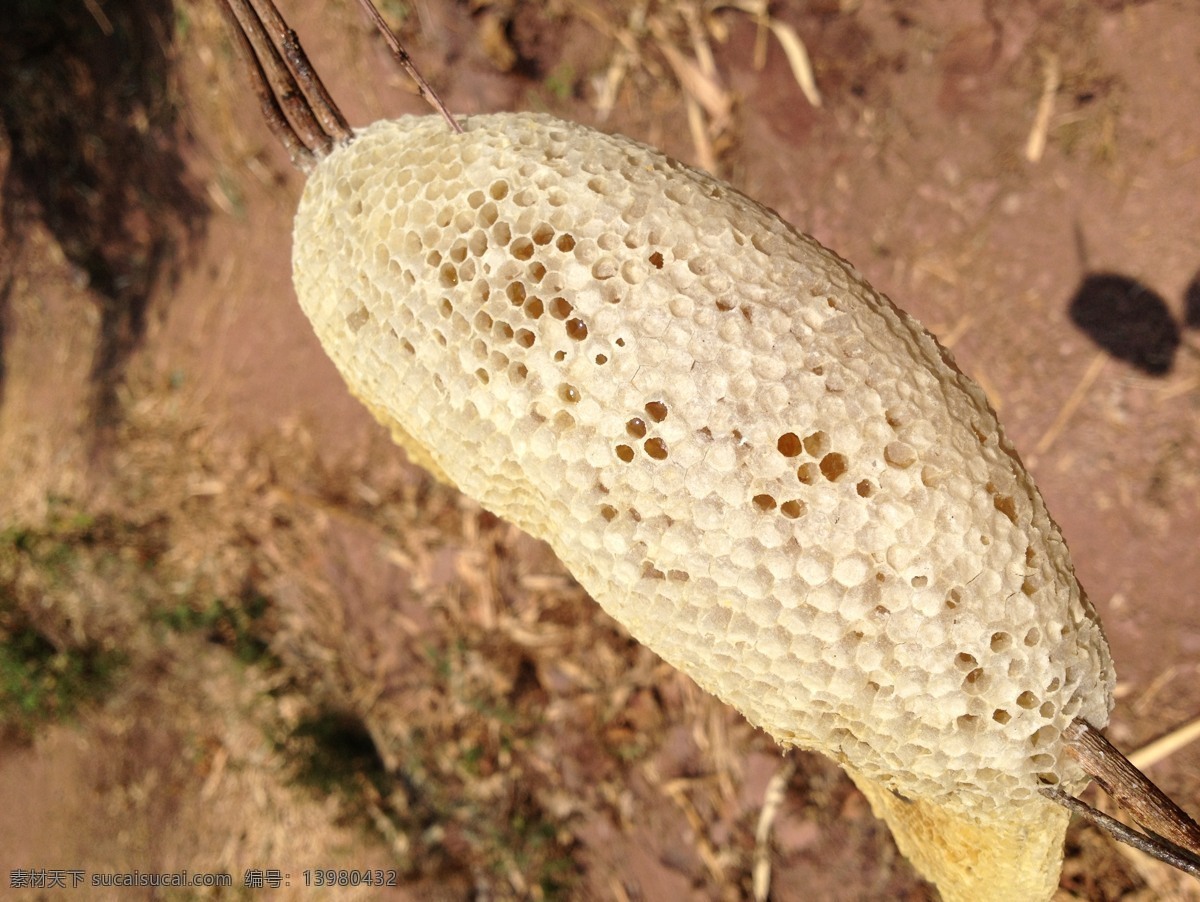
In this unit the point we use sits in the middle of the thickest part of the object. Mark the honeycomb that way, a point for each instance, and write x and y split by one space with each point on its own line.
766 471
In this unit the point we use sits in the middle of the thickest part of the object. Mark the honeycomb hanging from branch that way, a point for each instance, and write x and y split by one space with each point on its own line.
766 471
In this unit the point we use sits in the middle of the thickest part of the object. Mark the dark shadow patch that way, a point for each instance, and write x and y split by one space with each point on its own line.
334 750
1128 320
6 260
5 293
87 110
1191 303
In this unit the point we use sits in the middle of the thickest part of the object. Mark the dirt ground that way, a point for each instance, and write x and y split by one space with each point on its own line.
243 632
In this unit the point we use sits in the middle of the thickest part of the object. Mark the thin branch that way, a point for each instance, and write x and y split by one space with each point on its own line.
1131 788
282 82
302 157
1155 847
319 99
406 61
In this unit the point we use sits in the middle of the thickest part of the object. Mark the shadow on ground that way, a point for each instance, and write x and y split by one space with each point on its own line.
1129 320
1191 303
89 126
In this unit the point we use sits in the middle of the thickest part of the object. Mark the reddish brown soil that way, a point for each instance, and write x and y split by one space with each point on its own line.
224 425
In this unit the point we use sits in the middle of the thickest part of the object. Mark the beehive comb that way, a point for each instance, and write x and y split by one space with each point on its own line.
761 467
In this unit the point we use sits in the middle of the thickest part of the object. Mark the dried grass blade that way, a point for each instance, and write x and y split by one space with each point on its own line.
798 59
703 88
1035 145
772 800
1165 746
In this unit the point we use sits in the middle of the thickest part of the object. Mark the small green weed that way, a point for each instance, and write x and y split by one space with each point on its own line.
396 12
42 676
39 682
561 82
235 625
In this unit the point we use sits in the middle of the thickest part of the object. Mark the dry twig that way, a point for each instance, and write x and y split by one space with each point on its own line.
406 63
1171 835
1156 849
